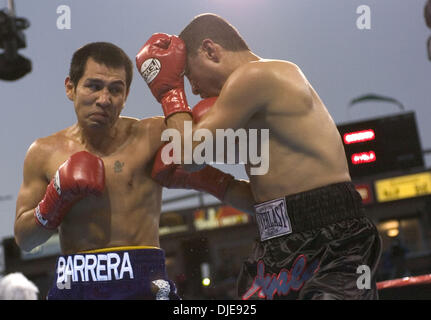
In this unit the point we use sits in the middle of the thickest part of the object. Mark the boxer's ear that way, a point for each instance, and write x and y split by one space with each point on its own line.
211 50
70 88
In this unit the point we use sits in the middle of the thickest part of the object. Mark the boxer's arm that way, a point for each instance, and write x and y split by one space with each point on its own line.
28 233
240 196
149 133
247 91
238 193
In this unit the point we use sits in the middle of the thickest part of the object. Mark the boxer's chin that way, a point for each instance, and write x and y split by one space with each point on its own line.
99 121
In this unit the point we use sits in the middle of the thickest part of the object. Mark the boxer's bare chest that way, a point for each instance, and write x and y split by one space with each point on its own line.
125 167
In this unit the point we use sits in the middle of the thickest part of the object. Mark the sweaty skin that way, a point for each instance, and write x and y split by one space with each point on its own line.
305 148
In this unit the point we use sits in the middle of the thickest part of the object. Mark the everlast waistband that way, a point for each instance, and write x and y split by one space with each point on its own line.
308 210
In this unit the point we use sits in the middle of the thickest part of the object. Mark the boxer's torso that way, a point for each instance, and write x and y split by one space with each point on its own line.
127 214
305 148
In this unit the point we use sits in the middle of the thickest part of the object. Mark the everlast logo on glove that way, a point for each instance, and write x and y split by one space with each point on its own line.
272 219
150 69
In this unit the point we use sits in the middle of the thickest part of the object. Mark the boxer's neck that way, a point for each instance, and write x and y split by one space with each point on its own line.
100 141
241 57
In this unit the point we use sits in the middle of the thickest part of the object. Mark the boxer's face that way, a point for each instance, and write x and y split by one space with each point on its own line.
99 96
204 73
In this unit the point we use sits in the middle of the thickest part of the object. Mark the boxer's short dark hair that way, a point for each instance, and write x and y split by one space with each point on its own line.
104 53
214 27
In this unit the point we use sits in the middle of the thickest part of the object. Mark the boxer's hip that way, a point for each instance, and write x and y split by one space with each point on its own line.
308 210
113 273
306 235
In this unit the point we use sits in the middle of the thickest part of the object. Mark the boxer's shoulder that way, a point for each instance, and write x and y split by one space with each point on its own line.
269 73
266 67
256 83
150 125
284 82
147 133
263 77
63 143
44 146
38 154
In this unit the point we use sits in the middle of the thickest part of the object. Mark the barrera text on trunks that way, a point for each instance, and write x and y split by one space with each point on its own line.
231 147
94 267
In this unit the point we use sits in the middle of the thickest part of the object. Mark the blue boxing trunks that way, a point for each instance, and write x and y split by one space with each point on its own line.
315 245
113 274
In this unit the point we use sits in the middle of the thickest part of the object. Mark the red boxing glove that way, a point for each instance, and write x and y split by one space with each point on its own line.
81 175
161 62
202 107
164 173
208 179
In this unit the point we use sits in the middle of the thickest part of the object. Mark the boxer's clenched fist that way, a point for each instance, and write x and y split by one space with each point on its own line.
161 62
83 174
202 107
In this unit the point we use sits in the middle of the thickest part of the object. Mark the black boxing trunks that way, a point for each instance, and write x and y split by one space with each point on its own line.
313 245
113 274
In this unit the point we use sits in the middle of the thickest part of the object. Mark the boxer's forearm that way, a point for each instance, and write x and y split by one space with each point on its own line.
28 233
176 122
240 196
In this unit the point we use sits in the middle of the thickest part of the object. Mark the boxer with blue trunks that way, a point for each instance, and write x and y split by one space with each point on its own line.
113 273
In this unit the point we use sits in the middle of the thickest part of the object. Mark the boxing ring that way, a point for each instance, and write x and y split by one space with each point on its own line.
407 288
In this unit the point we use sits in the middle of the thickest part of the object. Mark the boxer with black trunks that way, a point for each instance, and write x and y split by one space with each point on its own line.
98 183
313 232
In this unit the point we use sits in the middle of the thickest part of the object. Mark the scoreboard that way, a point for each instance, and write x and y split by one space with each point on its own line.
382 145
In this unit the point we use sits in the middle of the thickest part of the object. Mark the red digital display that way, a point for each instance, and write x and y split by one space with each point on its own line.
363 157
359 136
382 145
